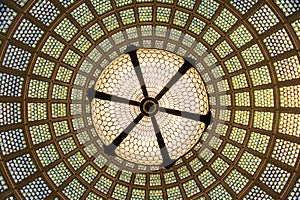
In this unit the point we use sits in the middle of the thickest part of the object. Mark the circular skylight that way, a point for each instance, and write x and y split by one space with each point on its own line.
151 107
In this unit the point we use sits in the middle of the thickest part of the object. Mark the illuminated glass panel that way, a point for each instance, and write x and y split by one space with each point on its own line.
40 133
3 184
264 98
127 16
242 99
174 193
101 6
7 16
21 167
72 193
47 154
183 172
240 36
82 14
38 89
259 193
289 124
169 177
59 92
66 3
93 196
163 14
207 8
111 22
67 145
206 178
237 135
289 96
189 4
279 42
223 49
244 5
288 7
274 177
73 58
138 194
145 14
126 176
103 184
28 33
219 192
58 110
11 85
219 166
288 68
61 128
180 18
230 151
95 31
16 58
236 181
140 179
252 55
120 192
286 151
37 111
121 3
190 187
76 160
112 170
263 120
239 81
263 19
44 11
211 36
249 162
166 1
296 27
225 20
233 64
12 141
89 174
258 142
260 76
36 188
43 67
53 47
90 150
59 174
66 29
64 74
223 85
155 179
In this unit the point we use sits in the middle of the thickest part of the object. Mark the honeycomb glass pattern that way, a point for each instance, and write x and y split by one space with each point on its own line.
247 52
28 33
7 16
44 11
131 147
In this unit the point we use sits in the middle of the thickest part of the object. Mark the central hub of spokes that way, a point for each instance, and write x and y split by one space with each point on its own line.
149 106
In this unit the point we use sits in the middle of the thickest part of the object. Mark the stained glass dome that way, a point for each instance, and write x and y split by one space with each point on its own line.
150 107
247 53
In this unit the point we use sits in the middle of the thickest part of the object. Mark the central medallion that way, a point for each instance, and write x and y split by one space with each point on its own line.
150 107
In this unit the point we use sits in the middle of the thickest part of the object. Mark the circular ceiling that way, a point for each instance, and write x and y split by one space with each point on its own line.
53 52
150 107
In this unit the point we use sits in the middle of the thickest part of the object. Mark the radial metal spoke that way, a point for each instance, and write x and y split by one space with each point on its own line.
182 70
197 117
110 149
137 69
113 98
167 161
